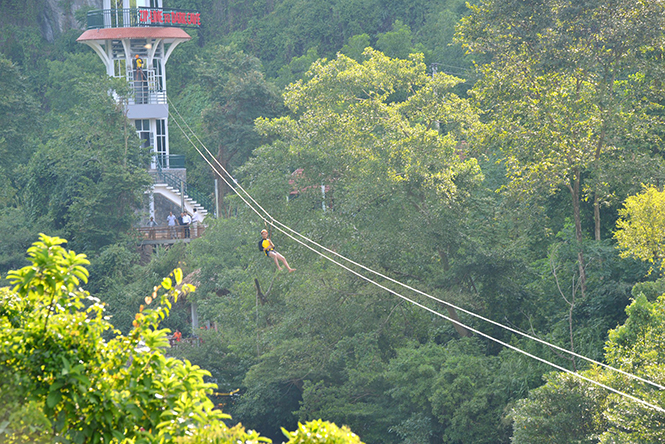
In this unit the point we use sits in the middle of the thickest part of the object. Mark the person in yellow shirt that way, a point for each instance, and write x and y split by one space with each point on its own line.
140 83
268 248
138 65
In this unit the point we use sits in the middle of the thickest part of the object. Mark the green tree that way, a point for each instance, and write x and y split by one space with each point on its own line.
641 227
315 432
63 380
62 93
53 353
89 177
397 43
564 410
567 409
20 121
21 125
436 34
565 87
387 141
279 31
452 389
636 347
355 47
591 414
238 94
296 69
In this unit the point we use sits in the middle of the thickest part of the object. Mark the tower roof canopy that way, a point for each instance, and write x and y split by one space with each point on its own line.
134 33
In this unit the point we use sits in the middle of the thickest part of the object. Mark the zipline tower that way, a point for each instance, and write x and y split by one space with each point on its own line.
134 39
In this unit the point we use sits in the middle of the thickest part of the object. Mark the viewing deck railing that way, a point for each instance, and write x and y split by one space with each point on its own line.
165 233
146 87
142 17
164 162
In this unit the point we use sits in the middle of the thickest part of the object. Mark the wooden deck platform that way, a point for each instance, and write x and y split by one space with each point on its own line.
170 235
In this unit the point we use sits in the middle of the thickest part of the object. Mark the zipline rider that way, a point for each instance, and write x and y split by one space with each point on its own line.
266 245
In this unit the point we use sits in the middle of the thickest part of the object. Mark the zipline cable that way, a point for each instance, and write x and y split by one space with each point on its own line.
478 332
276 222
216 171
448 304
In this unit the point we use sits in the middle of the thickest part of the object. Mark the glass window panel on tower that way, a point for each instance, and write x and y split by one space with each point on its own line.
143 130
161 143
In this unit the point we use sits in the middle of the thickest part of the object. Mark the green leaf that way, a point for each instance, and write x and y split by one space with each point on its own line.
53 398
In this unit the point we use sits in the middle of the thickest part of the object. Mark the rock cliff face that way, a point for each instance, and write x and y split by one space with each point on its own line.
58 16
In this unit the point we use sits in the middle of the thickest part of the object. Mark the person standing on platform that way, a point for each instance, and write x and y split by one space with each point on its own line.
196 220
170 220
186 221
151 225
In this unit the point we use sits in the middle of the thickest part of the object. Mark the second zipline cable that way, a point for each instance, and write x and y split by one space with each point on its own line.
266 217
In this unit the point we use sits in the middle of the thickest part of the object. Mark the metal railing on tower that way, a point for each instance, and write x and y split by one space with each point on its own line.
142 17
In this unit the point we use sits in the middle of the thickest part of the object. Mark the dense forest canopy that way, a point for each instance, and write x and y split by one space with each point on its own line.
505 157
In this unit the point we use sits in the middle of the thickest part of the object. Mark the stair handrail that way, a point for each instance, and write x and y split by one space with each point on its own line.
177 183
171 179
201 198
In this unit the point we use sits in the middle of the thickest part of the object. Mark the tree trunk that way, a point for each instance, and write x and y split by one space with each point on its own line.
221 191
570 330
596 217
575 194
259 293
596 201
461 330
222 188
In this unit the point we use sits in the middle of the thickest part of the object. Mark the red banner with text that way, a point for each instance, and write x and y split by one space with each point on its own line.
160 17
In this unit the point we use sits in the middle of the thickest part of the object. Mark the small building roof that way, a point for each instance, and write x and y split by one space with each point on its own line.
134 33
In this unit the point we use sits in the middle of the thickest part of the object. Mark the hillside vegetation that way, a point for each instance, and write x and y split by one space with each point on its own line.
503 158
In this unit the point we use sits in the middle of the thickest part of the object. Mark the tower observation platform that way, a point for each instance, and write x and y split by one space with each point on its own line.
134 39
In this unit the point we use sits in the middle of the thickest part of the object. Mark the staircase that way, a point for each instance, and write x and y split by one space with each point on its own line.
172 188
174 195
